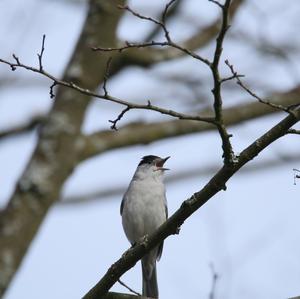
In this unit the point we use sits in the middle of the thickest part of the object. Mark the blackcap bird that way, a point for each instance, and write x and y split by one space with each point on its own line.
143 210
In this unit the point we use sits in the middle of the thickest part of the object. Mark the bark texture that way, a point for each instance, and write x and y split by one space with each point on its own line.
57 150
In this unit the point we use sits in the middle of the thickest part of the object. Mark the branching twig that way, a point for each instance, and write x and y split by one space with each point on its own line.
109 98
161 24
250 92
171 11
128 288
129 45
114 122
217 3
167 43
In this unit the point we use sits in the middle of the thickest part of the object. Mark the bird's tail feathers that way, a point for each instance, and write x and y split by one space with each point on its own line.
150 287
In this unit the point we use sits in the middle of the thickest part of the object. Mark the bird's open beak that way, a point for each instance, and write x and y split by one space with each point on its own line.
161 163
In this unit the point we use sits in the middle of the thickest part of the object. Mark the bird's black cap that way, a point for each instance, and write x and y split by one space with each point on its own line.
151 158
148 159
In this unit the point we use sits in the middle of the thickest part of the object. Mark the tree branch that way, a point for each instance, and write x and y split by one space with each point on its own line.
254 95
148 56
105 96
117 191
114 295
293 131
228 154
145 133
189 206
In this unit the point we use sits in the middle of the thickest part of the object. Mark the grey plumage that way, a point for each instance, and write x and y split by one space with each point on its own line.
143 210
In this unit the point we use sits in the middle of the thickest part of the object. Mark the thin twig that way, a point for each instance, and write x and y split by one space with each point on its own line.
217 3
296 176
106 75
128 288
254 95
109 98
142 17
166 10
40 55
120 116
167 43
215 277
51 91
293 131
129 45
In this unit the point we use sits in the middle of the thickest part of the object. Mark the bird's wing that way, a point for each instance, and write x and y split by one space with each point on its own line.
160 247
122 205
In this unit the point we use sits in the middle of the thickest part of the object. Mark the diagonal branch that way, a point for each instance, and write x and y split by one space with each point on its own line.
287 109
189 206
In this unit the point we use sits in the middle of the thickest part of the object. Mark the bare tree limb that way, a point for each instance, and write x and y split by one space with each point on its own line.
105 96
189 206
145 133
254 95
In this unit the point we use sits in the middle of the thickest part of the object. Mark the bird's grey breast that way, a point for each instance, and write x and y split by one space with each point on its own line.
144 208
